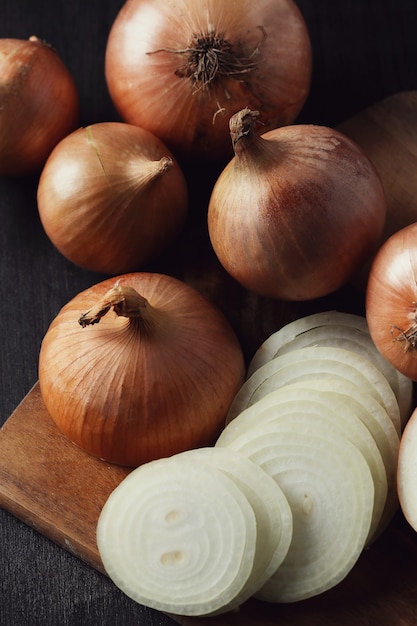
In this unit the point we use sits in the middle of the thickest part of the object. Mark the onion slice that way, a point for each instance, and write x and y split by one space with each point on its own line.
277 412
330 490
316 363
271 508
344 396
287 333
337 329
341 401
178 536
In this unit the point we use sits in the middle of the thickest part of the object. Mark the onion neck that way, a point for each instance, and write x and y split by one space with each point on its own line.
149 170
242 132
125 302
154 169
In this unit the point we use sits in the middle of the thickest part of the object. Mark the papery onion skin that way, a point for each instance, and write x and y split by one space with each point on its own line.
296 211
130 393
39 104
111 197
156 86
391 300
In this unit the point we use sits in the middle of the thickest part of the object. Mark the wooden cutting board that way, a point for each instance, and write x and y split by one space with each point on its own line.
59 490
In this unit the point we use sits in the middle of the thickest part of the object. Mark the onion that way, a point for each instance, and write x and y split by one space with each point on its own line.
317 363
180 69
39 104
296 211
271 417
150 369
111 197
197 533
178 536
342 402
373 128
407 471
330 490
272 512
391 300
339 330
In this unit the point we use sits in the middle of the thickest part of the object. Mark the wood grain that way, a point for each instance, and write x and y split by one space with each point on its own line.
51 484
57 489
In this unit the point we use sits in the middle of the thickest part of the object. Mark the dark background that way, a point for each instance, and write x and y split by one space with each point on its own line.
364 50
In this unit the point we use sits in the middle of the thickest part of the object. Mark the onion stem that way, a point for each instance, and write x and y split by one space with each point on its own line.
124 300
242 125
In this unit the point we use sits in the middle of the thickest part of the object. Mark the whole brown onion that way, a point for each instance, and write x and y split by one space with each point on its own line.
180 69
39 104
111 197
296 211
140 368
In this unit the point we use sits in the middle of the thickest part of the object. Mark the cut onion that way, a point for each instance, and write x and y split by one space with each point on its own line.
330 490
340 400
316 363
272 345
271 508
340 330
407 471
178 536
275 413
345 397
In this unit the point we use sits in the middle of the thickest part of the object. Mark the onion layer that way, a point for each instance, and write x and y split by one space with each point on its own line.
150 370
39 104
180 69
407 471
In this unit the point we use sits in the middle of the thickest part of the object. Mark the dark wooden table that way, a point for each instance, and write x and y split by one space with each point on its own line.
364 50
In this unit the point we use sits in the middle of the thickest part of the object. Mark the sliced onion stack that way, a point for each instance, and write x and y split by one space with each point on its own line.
329 487
340 330
340 403
316 363
300 481
314 389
